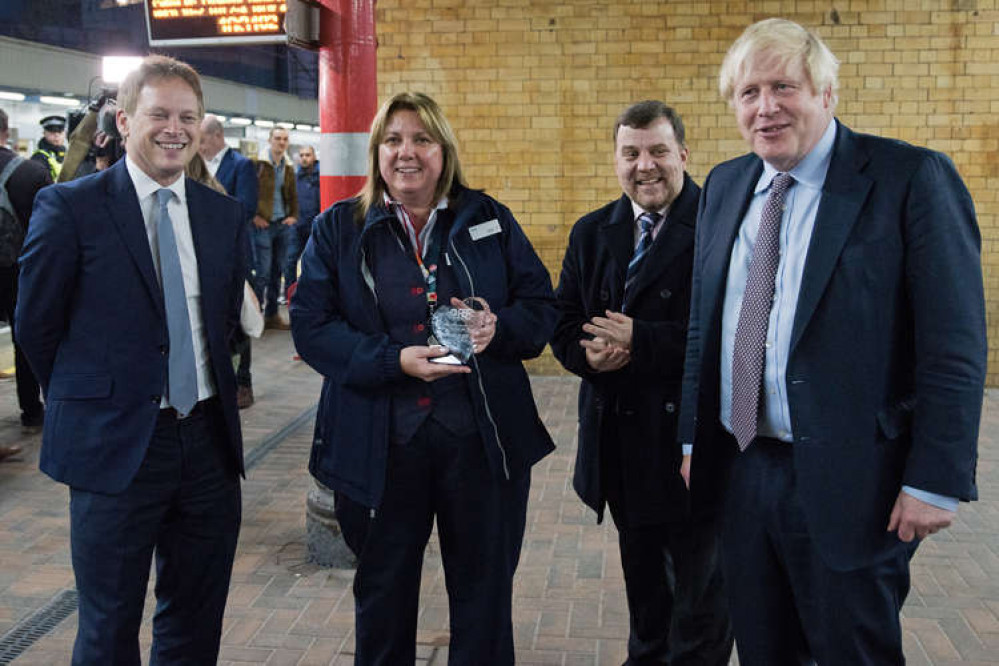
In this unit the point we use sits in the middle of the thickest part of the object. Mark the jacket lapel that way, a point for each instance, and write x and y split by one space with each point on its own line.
200 219
843 195
123 208
727 218
617 235
676 236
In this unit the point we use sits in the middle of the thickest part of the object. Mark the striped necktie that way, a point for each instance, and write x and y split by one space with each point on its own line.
646 223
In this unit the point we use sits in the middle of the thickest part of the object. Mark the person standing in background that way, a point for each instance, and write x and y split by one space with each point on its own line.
277 213
307 184
23 183
51 150
236 174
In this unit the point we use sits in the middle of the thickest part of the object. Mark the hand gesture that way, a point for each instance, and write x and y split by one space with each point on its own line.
615 329
604 357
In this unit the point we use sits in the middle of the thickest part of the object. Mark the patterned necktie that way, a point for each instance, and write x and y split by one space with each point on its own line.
646 222
749 349
182 376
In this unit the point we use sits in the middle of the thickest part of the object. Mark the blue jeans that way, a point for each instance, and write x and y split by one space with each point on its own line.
294 243
269 244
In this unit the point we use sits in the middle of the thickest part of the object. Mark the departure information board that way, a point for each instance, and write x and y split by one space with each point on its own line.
215 22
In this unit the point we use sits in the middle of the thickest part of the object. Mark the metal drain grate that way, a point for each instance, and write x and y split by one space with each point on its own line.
27 632
251 459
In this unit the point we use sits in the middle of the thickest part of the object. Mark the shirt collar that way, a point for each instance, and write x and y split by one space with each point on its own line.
219 155
812 169
146 186
281 161
390 202
638 211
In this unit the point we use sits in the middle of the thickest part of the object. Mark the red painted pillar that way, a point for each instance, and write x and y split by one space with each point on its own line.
348 95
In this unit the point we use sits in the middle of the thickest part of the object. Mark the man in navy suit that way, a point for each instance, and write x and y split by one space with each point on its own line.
837 339
237 176
131 284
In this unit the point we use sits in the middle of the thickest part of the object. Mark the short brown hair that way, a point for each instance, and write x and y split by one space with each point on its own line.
158 67
439 130
641 115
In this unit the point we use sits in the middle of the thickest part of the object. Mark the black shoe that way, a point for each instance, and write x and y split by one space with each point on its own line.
33 420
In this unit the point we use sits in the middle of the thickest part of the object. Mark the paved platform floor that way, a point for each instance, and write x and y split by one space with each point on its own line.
569 606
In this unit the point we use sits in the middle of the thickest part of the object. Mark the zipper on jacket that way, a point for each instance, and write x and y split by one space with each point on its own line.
478 372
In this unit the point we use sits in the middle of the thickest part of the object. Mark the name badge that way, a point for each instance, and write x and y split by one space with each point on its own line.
480 231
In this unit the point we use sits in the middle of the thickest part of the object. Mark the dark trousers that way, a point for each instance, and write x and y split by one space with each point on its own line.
789 608
676 599
677 606
183 505
480 523
28 391
242 348
268 256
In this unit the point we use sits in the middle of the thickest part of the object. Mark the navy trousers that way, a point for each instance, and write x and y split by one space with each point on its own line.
788 607
184 505
480 523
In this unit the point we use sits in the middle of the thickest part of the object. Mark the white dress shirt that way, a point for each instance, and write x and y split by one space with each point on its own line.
146 188
213 164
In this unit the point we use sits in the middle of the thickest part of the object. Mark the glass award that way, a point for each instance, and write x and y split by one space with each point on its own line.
452 328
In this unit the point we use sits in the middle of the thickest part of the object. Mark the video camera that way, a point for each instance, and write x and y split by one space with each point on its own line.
94 141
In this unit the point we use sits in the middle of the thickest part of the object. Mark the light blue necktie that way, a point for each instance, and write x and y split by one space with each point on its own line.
182 374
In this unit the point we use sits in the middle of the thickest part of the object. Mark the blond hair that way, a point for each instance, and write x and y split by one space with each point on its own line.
789 43
439 130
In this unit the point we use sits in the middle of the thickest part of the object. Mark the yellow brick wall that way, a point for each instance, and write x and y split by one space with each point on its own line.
532 88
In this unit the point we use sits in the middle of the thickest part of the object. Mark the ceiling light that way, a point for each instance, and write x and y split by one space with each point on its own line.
240 121
304 127
264 123
114 69
59 101
286 125
12 96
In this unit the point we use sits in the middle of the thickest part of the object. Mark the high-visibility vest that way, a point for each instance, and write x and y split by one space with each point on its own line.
55 166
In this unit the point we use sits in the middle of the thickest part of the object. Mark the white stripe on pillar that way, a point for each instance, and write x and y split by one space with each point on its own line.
343 154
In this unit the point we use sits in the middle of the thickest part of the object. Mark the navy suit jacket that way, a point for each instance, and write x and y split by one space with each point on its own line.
888 349
645 394
239 179
92 318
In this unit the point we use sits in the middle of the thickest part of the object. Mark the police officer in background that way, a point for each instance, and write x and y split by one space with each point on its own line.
51 149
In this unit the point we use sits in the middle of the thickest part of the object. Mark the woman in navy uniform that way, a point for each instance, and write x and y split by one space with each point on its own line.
401 438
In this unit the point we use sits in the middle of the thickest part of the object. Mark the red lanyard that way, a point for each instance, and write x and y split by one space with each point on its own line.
429 272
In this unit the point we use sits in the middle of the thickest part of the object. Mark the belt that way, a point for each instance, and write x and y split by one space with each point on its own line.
171 414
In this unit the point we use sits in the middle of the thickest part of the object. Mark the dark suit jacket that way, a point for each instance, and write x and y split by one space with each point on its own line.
237 176
645 394
92 321
888 351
